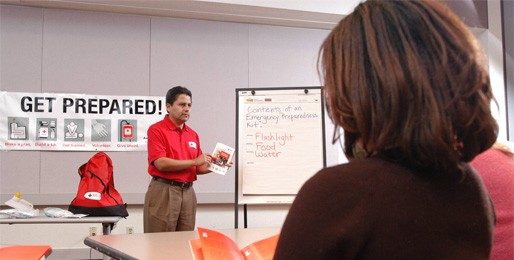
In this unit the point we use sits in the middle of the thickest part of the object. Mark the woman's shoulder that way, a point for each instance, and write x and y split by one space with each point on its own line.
356 175
363 164
362 168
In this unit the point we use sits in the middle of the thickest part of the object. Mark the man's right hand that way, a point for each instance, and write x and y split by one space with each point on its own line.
200 160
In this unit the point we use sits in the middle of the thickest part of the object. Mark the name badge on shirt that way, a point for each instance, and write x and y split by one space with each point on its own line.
192 145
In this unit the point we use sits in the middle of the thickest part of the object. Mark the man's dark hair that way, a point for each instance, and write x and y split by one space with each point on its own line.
173 93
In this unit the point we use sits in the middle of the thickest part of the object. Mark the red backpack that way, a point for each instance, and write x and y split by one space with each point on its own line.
96 195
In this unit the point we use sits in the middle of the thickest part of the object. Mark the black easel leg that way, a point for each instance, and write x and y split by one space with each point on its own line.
245 209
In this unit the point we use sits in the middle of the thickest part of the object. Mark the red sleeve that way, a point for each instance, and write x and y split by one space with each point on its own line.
156 144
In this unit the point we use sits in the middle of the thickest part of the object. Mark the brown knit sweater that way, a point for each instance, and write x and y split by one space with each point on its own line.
373 209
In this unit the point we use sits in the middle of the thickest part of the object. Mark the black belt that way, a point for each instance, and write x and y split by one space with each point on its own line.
174 183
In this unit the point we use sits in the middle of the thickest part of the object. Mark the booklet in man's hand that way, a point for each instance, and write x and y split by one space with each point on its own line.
213 245
221 156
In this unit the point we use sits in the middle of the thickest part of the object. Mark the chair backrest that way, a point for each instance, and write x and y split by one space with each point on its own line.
25 252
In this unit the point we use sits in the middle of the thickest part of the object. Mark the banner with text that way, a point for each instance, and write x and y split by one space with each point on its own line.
76 122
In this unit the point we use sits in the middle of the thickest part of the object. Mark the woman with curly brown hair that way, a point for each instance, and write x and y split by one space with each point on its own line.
406 82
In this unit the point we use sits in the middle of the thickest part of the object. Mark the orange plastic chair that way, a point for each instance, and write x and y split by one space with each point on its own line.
24 252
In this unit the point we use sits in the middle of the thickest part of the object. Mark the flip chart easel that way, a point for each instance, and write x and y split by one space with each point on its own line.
280 143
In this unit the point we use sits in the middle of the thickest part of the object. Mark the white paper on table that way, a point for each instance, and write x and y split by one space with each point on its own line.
22 208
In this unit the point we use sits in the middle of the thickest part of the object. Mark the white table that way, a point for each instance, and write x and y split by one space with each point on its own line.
107 222
167 245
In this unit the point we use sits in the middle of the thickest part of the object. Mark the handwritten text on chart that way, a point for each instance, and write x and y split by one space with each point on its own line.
269 144
282 138
258 117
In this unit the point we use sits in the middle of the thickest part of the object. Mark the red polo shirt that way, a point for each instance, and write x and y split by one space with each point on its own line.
497 171
165 139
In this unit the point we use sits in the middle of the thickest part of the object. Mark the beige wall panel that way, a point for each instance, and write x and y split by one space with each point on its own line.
211 59
95 53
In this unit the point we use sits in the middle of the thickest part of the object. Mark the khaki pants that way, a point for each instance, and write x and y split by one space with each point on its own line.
169 208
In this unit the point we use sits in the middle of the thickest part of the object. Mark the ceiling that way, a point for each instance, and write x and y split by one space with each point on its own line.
294 13
321 14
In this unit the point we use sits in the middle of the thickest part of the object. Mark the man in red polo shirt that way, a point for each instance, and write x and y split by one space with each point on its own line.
174 160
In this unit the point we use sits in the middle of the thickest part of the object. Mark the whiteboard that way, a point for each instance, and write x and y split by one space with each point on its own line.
280 142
